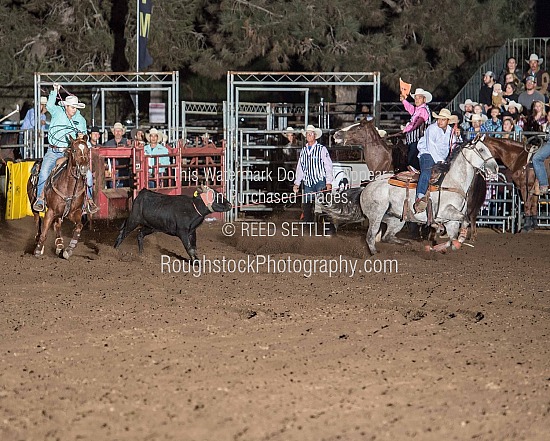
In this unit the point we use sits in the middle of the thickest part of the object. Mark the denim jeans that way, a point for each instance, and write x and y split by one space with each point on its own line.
426 164
48 163
412 154
538 163
318 186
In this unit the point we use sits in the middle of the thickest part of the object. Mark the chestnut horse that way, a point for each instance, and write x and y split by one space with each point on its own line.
64 195
514 156
380 156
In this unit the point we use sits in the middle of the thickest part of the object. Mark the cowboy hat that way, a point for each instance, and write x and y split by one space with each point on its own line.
72 101
453 119
381 132
118 126
289 131
468 102
311 128
424 93
133 132
512 103
162 137
443 114
43 100
478 117
534 57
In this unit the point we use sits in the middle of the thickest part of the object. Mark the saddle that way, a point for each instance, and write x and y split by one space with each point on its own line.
409 179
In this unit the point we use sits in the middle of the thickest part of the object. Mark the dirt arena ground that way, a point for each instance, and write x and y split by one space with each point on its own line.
106 346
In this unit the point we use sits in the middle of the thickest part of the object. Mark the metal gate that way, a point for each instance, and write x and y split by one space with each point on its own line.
248 147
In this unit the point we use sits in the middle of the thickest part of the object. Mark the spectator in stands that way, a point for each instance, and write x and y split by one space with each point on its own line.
546 126
476 122
156 139
509 129
478 110
536 118
119 131
511 68
420 119
511 78
497 96
467 110
365 114
530 95
486 91
493 124
535 70
510 93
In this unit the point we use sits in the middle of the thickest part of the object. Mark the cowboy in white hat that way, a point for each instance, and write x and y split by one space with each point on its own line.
513 107
118 130
420 119
155 148
66 120
314 169
433 147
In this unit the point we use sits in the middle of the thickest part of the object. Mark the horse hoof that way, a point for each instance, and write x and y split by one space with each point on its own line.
66 255
39 251
456 245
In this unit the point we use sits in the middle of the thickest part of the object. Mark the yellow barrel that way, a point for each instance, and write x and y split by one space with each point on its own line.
17 202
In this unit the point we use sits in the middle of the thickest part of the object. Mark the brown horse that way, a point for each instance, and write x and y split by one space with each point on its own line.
64 194
379 155
513 156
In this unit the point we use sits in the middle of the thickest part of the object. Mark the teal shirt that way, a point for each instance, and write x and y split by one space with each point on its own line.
61 126
158 150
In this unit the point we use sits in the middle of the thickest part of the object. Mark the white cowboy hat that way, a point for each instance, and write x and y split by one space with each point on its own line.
512 103
534 57
118 126
72 101
478 117
159 133
381 132
43 100
289 131
468 102
443 114
424 93
453 119
311 128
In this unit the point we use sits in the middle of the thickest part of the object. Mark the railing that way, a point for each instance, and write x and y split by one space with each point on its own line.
520 48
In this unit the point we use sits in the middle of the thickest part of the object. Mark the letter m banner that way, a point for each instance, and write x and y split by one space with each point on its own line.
144 26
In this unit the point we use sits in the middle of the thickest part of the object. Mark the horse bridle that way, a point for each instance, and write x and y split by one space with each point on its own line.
481 169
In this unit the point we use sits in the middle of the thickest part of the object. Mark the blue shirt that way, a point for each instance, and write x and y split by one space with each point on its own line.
61 126
28 122
158 150
436 142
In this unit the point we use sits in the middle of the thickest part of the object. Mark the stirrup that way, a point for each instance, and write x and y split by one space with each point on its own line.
91 207
39 205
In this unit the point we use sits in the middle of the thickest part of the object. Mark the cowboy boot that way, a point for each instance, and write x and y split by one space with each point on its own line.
527 224
308 212
91 207
420 204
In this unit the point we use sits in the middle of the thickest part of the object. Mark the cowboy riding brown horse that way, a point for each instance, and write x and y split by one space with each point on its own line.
64 194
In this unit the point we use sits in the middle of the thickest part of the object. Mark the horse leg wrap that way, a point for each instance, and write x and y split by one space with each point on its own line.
39 250
463 235
441 248
59 244
72 243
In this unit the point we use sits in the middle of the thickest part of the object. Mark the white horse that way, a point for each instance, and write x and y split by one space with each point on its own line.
383 202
